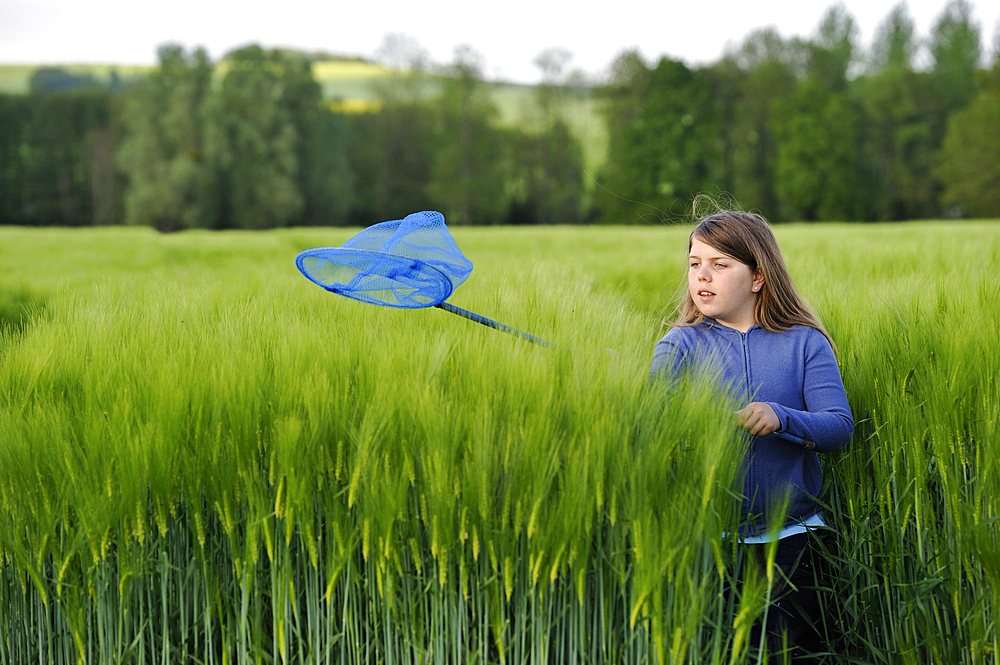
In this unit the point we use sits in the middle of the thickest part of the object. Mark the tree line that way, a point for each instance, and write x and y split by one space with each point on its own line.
249 142
817 129
800 129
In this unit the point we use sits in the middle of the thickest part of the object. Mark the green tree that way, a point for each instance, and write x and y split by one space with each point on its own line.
392 154
663 131
626 187
772 68
56 156
833 50
392 149
547 176
727 83
406 62
898 103
551 91
255 136
171 181
13 117
819 169
956 49
325 177
547 182
471 166
895 44
970 156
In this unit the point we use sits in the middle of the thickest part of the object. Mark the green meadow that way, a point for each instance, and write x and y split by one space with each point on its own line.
205 458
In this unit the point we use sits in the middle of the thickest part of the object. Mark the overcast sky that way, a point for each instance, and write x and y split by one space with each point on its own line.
509 35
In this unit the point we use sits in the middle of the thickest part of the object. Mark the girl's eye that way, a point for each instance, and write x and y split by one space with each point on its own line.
720 265
694 265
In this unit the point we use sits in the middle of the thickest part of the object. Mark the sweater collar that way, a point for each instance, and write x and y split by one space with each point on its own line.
712 324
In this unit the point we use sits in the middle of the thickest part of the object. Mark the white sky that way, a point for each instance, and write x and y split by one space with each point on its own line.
509 36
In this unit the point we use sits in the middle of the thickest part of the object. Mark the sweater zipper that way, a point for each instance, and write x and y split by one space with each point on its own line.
751 475
746 362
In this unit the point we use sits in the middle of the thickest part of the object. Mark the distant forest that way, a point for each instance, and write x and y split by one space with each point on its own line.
801 129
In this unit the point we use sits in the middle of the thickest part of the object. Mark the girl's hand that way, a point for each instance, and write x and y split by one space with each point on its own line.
758 418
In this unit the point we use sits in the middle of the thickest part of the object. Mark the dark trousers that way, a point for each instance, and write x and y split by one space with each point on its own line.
791 623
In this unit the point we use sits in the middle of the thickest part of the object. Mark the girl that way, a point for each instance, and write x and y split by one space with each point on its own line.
742 318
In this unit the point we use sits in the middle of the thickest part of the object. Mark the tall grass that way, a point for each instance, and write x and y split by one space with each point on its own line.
206 459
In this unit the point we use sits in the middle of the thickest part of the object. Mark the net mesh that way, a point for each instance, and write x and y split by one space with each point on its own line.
410 262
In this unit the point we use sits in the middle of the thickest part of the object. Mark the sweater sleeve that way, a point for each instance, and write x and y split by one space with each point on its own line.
668 358
826 421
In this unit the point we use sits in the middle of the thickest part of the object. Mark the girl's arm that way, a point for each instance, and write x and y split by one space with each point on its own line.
668 357
826 422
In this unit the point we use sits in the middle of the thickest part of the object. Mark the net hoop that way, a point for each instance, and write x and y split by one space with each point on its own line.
399 281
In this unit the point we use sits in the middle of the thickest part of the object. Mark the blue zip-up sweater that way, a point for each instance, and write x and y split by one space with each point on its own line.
795 371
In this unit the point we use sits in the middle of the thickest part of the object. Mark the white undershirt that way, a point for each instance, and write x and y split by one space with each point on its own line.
791 530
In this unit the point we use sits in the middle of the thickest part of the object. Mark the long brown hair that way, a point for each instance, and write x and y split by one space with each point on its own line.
747 237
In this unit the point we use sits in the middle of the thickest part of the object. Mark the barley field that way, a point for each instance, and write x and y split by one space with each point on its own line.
205 458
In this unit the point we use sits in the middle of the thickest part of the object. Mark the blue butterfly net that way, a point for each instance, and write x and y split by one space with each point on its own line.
410 262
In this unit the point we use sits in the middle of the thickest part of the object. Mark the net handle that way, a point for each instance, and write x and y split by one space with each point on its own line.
479 318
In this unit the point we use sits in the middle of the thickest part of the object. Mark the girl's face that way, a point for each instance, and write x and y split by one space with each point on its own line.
721 287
